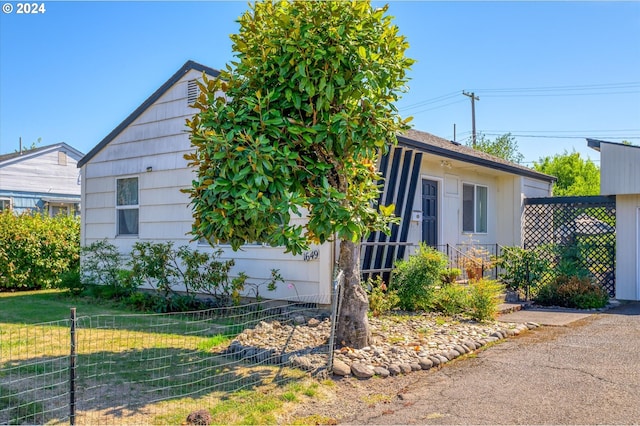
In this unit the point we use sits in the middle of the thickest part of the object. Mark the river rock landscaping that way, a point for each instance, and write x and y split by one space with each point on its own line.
400 343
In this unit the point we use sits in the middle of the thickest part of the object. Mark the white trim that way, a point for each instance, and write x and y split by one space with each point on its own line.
475 213
638 254
126 207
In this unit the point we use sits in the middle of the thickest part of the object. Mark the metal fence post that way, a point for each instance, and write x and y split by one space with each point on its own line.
335 306
72 370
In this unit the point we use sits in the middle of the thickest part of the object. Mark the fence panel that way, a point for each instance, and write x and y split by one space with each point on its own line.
34 372
135 369
580 227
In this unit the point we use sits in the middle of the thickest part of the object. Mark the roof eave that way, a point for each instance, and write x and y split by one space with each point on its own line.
454 155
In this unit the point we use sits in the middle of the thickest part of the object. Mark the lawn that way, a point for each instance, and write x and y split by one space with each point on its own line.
131 368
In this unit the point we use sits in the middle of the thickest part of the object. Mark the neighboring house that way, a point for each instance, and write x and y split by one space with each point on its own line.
444 193
41 179
620 176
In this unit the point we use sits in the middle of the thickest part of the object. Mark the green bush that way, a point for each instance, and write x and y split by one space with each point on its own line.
36 249
522 267
70 281
484 298
415 279
451 299
102 270
573 292
381 299
175 276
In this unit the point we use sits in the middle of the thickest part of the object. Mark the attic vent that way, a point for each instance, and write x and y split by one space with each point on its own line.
192 91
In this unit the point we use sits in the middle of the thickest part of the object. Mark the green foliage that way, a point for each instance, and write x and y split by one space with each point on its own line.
35 249
571 261
271 283
575 175
102 269
485 296
573 292
176 276
415 279
522 268
451 299
381 299
70 281
309 106
505 147
450 275
157 265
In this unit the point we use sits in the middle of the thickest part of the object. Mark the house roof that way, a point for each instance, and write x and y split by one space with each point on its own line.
431 144
595 144
421 141
15 157
188 66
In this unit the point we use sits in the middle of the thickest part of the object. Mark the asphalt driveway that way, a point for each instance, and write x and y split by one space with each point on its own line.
587 372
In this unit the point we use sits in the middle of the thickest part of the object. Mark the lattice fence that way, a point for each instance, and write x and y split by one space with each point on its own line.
583 226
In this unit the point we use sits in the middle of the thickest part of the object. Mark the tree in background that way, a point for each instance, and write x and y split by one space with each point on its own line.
505 147
308 107
576 176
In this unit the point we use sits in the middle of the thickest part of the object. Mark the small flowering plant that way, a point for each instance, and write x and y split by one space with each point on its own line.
381 299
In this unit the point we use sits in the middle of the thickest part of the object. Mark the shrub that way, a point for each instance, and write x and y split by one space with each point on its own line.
573 292
484 298
381 299
449 276
451 299
102 270
70 281
414 279
522 267
36 249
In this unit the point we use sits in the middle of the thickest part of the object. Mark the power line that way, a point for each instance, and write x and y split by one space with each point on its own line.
437 107
601 86
560 137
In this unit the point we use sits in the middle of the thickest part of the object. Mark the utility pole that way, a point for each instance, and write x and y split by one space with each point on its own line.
474 98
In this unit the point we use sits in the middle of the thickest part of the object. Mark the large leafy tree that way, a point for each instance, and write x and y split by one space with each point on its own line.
504 146
576 175
293 129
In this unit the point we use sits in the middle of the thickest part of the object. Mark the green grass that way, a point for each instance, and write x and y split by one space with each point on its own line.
136 358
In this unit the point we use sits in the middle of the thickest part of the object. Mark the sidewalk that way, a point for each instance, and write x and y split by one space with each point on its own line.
525 312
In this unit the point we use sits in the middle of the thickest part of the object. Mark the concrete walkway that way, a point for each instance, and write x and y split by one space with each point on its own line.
558 317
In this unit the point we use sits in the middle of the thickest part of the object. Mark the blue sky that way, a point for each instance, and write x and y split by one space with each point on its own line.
550 73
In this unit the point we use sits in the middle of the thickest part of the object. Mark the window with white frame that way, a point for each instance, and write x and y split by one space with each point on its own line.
5 204
127 207
474 208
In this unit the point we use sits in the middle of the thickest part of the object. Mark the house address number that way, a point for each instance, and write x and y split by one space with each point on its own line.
311 255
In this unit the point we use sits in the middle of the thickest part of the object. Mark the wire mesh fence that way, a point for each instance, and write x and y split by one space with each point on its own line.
128 369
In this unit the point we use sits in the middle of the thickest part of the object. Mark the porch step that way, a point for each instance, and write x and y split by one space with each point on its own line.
508 307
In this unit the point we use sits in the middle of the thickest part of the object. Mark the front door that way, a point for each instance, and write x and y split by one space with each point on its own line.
430 212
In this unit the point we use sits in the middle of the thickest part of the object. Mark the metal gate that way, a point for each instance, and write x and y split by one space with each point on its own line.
585 225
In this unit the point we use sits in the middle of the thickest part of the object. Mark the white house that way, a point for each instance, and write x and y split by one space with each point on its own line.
43 179
443 192
620 176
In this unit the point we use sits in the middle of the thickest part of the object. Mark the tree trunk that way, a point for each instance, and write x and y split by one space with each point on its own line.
353 324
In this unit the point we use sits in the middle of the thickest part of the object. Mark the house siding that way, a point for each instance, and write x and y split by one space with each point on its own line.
619 169
44 173
158 140
627 246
